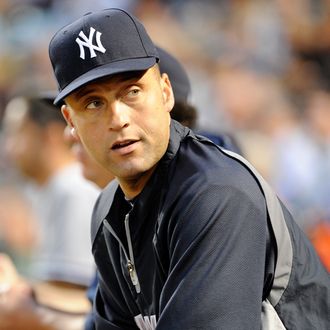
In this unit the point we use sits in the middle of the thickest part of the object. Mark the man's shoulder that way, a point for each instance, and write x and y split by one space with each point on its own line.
203 156
102 206
201 166
105 199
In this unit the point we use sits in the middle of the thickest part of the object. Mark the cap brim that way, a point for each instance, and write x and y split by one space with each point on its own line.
137 64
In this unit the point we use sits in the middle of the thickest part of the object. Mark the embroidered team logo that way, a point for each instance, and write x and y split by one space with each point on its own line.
88 43
146 322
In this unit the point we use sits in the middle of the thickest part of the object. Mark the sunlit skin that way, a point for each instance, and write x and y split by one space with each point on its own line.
124 123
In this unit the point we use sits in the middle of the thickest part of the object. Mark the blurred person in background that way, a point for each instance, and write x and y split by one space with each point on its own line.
91 170
301 171
62 265
18 227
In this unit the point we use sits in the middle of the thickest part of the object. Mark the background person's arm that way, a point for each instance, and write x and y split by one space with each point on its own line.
41 306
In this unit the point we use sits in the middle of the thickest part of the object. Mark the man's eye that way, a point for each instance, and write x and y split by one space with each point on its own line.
133 92
93 105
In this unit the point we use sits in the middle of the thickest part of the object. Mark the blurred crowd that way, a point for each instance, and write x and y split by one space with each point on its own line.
259 69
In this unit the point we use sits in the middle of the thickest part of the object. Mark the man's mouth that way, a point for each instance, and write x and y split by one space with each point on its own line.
122 144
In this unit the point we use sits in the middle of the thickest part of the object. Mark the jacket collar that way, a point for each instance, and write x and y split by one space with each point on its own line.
177 134
159 177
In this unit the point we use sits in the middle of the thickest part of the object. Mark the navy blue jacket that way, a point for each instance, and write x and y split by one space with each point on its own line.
206 245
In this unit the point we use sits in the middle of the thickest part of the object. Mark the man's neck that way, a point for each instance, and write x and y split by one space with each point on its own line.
133 186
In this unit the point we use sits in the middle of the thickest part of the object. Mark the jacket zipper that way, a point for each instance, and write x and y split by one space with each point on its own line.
129 258
130 262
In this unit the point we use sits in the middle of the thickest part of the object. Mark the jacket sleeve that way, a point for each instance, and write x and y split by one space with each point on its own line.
217 249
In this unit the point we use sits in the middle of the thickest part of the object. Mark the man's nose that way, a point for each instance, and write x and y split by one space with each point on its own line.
119 116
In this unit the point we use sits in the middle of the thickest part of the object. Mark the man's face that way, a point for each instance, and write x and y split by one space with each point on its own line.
24 146
123 121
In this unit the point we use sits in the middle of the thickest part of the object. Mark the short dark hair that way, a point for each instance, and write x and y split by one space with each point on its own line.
184 113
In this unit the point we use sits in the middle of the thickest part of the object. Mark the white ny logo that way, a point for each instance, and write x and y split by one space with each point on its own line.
88 42
146 322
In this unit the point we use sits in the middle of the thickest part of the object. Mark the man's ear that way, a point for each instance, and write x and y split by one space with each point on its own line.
167 91
71 132
67 115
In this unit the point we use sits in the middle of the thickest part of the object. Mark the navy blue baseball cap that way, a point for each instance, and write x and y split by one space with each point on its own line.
97 45
177 74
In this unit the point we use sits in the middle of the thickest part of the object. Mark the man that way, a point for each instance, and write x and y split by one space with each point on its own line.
193 238
62 265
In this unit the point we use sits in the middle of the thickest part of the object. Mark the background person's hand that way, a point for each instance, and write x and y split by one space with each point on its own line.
17 306
46 306
14 290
